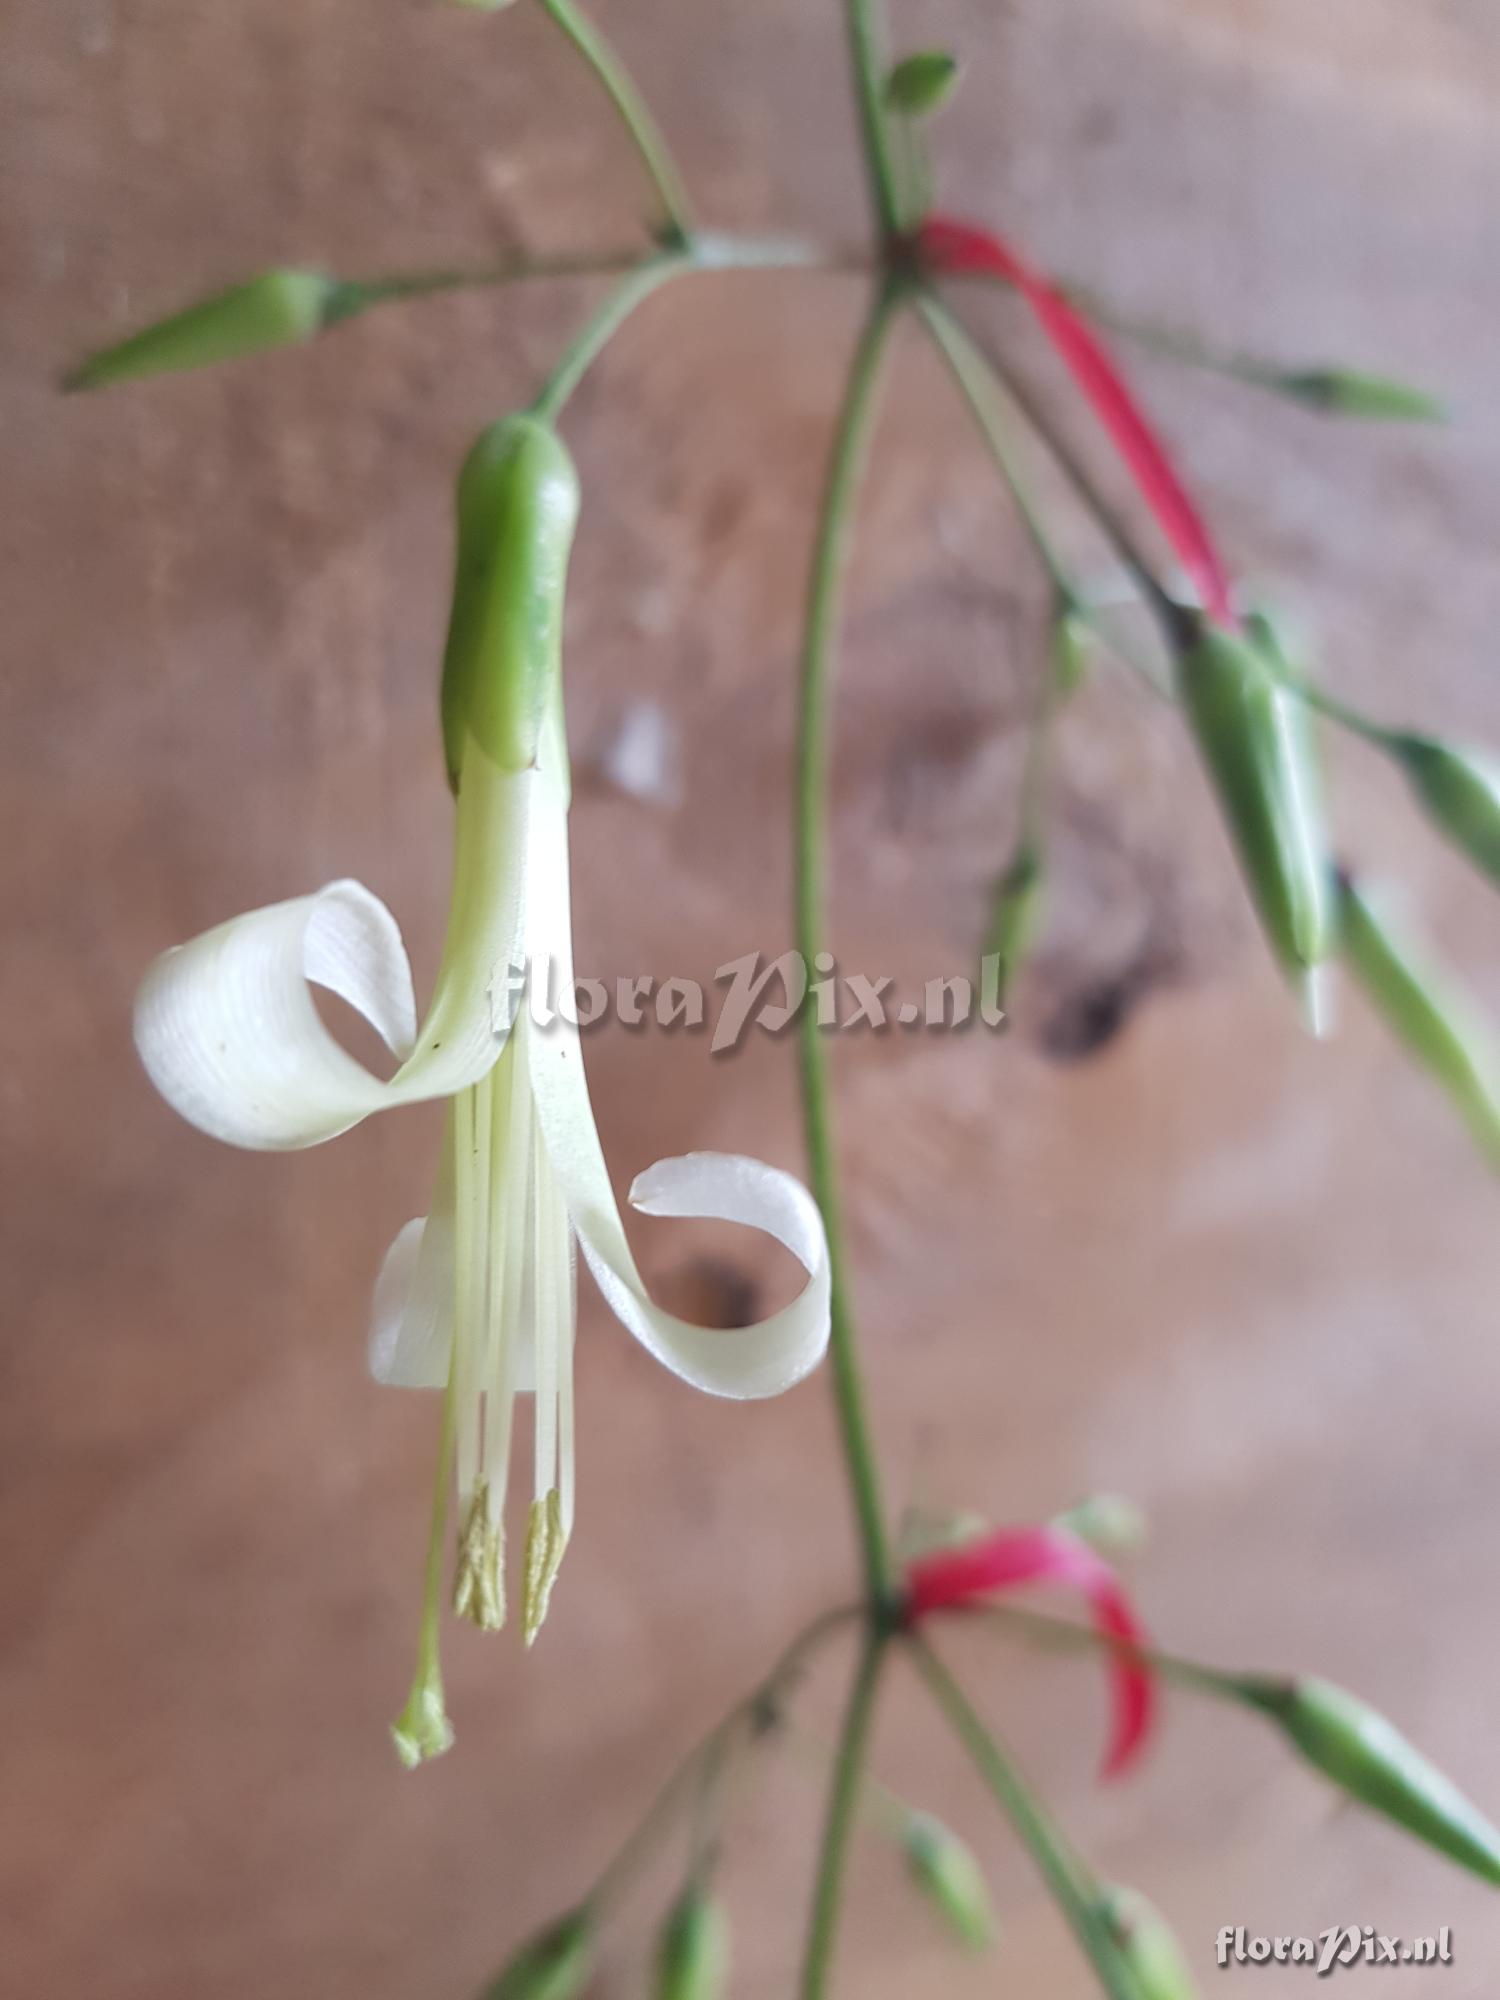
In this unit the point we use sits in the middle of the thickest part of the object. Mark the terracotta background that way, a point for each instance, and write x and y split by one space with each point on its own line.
1247 1280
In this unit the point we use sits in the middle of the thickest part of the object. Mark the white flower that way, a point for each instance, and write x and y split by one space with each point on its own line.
478 1299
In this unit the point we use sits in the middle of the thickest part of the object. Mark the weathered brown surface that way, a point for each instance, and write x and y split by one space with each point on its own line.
1248 1281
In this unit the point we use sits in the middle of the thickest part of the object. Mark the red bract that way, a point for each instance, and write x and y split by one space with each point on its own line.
1005 1561
959 247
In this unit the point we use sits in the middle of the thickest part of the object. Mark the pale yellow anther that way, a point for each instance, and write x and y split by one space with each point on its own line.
479 1580
545 1543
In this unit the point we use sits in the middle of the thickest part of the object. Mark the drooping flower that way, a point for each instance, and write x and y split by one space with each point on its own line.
478 1298
952 1579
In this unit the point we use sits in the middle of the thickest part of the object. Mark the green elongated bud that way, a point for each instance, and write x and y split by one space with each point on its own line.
1147 1943
276 309
1459 790
517 508
553 1966
1346 392
692 1958
1072 646
1440 1028
1015 915
922 83
945 1871
1256 740
1364 1756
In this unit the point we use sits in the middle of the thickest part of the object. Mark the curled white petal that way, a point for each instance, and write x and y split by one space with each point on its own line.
230 1035
751 1361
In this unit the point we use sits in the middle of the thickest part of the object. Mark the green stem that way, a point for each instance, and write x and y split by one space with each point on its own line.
642 1838
830 559
635 113
1067 1876
982 393
844 1792
1063 1632
581 353
982 366
867 60
709 251
971 375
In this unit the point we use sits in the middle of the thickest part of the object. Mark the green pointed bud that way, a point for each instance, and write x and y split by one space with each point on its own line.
1015 917
1072 647
1256 740
553 1966
1419 1004
484 6
922 84
1345 392
1459 790
692 1958
1364 1756
277 309
1107 1522
945 1871
517 508
1148 1945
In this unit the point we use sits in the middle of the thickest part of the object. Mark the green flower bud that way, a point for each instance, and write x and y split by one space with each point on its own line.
1459 791
553 1966
1015 915
945 1871
1440 1029
517 508
692 1960
1256 739
276 309
1107 1522
1345 392
1147 1944
1072 645
921 84
1363 1755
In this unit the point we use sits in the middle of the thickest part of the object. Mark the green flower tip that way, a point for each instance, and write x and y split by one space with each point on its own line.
1147 1944
1346 392
692 1960
553 1966
921 84
1459 790
945 1871
276 309
517 507
422 1729
1108 1522
1368 1759
1435 1022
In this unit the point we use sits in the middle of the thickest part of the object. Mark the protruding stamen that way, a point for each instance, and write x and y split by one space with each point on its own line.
479 1581
545 1543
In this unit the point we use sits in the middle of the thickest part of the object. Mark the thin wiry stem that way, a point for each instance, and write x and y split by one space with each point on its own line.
581 353
867 61
1066 1875
635 113
830 558
844 1793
